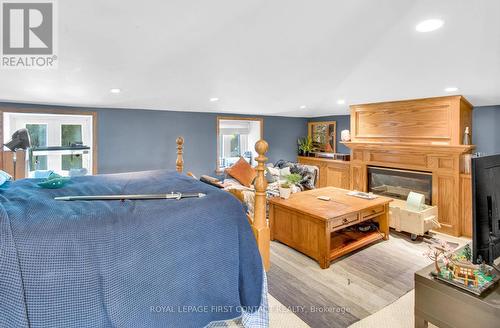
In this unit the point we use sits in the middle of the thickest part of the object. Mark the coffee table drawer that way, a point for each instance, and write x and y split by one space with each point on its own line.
344 221
372 212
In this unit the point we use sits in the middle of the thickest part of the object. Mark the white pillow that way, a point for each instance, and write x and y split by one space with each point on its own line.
279 173
285 172
274 171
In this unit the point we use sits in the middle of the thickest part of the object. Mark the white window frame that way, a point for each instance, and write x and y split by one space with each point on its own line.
13 121
250 142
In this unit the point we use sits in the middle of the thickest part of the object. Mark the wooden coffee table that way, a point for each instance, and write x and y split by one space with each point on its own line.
316 227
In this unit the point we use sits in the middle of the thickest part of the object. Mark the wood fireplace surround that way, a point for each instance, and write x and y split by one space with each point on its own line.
420 135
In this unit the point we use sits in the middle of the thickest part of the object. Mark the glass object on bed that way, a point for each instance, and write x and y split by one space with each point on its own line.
38 137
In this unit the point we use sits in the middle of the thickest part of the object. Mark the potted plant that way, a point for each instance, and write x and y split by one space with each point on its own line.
286 187
300 143
306 146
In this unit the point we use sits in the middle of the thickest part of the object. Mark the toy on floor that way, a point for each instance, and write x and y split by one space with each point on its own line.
413 215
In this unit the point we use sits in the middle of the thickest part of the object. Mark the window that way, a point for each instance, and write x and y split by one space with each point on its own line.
59 142
236 137
71 134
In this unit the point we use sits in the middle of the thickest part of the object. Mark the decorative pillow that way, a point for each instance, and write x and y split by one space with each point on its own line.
284 172
279 173
269 177
243 172
273 171
308 173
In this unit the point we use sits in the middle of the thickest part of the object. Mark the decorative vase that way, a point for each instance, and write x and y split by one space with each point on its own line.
285 192
466 140
345 135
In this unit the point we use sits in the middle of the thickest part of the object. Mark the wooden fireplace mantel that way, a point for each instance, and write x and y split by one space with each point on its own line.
411 146
422 135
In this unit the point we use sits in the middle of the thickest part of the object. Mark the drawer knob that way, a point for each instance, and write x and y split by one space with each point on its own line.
345 220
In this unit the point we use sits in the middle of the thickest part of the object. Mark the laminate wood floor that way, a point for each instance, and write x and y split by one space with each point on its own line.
354 287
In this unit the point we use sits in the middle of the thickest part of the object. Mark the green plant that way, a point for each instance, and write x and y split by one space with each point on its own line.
293 179
302 144
305 144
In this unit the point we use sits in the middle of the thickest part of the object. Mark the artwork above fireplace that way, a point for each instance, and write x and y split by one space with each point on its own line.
399 183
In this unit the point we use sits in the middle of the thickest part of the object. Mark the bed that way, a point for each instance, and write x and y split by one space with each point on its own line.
159 263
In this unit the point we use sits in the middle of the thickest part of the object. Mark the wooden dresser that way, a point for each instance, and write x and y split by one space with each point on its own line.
332 173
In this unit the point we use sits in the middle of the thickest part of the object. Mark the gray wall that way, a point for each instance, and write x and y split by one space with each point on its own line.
486 129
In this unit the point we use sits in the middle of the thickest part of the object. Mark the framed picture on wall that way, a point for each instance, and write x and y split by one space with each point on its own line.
323 135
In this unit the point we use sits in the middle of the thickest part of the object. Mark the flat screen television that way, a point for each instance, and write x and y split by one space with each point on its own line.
486 209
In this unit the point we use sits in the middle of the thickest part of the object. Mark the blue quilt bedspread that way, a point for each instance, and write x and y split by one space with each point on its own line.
154 263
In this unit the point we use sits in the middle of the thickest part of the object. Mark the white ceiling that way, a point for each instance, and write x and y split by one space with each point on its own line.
265 57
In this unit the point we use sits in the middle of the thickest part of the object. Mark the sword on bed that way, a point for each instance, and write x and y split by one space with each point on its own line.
173 195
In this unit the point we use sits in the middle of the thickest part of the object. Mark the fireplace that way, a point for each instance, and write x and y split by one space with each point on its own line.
423 136
398 183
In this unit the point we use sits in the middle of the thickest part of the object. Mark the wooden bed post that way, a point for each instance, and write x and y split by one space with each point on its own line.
260 225
179 163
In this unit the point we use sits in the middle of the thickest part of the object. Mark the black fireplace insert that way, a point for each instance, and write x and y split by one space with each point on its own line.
399 183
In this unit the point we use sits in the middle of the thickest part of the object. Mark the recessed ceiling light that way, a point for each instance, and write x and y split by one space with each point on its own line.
341 102
451 89
214 99
429 25
303 107
115 90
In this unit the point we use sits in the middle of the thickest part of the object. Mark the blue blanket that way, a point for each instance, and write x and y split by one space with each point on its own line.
154 263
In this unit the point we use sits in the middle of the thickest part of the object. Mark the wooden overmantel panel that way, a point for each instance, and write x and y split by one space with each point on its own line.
431 120
422 135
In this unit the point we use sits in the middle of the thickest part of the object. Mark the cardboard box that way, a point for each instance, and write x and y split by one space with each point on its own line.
415 222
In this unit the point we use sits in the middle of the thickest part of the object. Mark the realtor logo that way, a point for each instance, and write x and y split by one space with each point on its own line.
28 34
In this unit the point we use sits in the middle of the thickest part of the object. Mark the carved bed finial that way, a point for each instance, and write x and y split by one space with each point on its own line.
260 226
179 163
